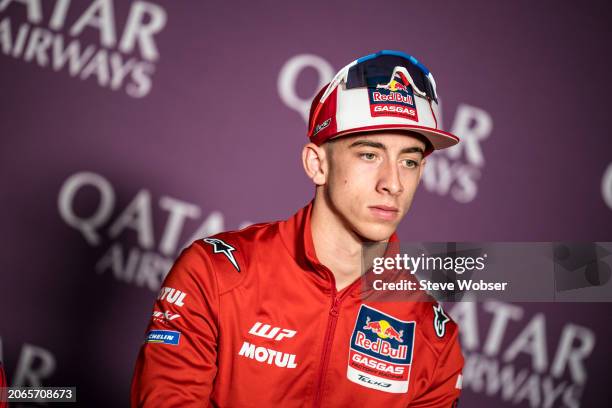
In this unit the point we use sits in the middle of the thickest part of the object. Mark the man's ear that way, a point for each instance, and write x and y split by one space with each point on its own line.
315 162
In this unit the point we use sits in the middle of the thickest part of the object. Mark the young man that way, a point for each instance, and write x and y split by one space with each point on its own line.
275 314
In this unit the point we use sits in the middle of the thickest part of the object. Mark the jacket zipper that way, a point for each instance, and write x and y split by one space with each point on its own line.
334 312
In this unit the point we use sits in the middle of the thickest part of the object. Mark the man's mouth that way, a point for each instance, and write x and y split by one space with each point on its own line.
384 212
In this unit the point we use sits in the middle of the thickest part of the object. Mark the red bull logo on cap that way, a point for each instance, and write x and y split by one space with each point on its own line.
381 350
393 99
397 83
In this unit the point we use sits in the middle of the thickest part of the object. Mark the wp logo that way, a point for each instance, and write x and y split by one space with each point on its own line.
269 332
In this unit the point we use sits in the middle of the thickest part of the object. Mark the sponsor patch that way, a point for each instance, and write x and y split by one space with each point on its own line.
380 352
163 337
164 317
394 99
268 356
172 296
321 126
269 332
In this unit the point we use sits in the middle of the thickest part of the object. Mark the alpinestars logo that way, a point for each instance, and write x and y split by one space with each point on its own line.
220 247
440 320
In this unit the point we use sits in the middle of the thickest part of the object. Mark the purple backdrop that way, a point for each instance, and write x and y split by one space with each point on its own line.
130 128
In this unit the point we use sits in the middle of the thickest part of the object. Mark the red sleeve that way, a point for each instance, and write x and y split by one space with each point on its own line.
177 363
2 384
445 387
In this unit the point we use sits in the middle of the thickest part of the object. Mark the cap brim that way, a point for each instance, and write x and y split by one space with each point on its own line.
438 138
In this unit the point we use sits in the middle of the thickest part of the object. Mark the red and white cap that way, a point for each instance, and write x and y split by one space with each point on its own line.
397 105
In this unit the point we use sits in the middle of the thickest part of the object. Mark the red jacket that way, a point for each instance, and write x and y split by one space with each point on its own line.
2 384
252 319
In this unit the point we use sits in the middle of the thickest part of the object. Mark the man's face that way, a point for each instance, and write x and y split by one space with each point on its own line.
372 180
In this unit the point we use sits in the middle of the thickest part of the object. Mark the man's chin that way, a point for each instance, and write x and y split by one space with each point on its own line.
377 232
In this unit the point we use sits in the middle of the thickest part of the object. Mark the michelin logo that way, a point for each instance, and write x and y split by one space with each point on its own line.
163 337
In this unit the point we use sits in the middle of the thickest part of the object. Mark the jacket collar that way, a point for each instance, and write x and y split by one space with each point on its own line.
296 234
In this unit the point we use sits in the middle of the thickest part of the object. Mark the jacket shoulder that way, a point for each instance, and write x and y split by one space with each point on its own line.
231 253
436 326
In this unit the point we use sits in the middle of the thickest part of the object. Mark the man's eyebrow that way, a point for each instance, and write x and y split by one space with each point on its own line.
414 149
378 145
368 143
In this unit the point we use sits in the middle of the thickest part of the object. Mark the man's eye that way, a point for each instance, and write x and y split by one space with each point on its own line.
368 156
411 164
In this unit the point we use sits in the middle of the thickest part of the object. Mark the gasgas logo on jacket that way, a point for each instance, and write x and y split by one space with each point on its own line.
380 353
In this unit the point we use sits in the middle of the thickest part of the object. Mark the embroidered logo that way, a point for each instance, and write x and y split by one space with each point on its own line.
440 320
221 247
393 99
380 352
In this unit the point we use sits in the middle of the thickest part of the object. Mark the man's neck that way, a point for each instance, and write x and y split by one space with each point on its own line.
337 247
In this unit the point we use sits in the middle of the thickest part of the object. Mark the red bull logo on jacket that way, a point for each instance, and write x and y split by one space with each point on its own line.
393 99
384 329
381 350
381 346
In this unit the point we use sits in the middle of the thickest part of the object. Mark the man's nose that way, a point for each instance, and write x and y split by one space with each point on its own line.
389 179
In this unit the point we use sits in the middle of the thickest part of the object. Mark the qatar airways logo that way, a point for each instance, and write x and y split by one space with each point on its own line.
139 240
520 358
455 172
122 58
34 366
